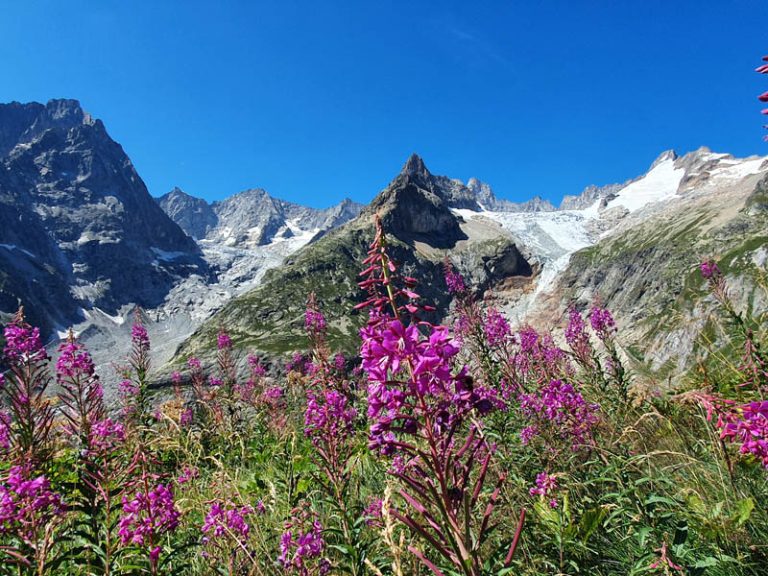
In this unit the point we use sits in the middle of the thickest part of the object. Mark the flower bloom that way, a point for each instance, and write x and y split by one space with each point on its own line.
602 322
373 512
5 431
559 407
223 341
147 516
545 484
74 361
496 328
328 415
747 425
298 547
106 435
314 321
139 336
226 521
27 503
188 474
22 342
454 281
709 269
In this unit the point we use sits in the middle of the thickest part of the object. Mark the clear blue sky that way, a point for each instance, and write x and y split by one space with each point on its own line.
319 100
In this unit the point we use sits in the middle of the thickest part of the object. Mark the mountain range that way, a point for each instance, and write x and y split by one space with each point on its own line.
82 244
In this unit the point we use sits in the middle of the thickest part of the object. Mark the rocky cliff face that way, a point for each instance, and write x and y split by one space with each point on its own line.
76 211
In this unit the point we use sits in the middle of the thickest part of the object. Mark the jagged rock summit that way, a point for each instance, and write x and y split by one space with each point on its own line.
252 218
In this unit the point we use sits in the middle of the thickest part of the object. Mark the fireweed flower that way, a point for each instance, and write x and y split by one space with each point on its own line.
22 343
186 417
328 416
577 338
27 503
496 328
559 408
24 390
106 436
139 336
426 413
223 341
454 281
300 546
257 368
545 485
225 521
81 394
709 269
747 426
5 431
314 321
74 362
373 512
340 362
146 517
602 322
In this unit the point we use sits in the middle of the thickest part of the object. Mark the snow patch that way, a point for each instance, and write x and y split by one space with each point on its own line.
659 184
13 247
165 255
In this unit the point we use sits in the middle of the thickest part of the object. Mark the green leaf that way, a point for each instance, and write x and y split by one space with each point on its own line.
743 511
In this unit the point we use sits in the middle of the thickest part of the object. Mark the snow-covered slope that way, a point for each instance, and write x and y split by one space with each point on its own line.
552 237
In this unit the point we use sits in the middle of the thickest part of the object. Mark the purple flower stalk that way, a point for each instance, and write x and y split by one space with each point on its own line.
496 328
147 517
602 322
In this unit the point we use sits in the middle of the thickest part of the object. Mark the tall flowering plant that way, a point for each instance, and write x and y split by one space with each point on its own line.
329 420
27 428
742 412
134 388
30 512
426 414
81 394
763 69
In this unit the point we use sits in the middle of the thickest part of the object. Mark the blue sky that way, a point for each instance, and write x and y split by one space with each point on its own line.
317 101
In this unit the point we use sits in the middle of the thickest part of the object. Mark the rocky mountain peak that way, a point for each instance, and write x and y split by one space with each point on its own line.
415 166
663 157
25 123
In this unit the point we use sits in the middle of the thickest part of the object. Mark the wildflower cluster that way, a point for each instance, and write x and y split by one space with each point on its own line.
302 546
558 409
226 521
149 514
27 504
421 409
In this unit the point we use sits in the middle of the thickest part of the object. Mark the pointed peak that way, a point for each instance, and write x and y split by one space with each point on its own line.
415 166
663 157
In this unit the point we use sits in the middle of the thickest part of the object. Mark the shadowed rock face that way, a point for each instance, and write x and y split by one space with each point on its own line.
76 210
415 206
